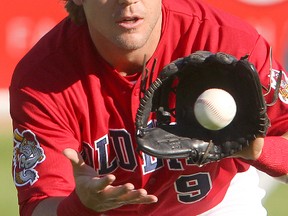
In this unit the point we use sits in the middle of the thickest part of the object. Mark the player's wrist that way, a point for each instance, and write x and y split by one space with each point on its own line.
270 160
72 206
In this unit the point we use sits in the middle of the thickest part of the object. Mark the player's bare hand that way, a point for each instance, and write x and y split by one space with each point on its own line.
97 193
253 151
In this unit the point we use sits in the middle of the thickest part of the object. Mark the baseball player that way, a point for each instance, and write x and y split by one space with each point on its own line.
75 95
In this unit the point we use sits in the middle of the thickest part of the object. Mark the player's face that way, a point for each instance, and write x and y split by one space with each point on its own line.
128 24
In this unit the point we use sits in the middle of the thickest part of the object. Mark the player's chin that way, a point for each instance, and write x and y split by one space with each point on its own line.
130 41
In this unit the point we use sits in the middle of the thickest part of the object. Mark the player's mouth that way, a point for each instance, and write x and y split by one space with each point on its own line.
130 22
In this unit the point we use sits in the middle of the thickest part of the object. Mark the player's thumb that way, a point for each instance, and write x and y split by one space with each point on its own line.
74 157
81 169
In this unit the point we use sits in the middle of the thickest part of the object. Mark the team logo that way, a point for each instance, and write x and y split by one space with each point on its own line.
27 154
283 91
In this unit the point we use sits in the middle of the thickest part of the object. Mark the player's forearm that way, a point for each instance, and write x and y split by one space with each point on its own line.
63 206
48 207
273 159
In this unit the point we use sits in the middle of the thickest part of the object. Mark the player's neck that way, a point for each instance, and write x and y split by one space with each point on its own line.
128 62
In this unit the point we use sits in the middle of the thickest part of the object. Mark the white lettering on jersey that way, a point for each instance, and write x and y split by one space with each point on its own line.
193 188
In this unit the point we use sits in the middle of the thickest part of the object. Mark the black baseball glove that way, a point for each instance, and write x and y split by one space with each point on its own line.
177 133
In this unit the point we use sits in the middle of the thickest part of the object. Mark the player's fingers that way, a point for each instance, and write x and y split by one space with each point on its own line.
123 196
148 199
110 194
139 196
99 185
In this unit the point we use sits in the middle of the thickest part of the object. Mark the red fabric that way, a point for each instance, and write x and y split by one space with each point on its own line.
270 160
68 96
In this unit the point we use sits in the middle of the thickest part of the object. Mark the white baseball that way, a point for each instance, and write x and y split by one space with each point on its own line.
215 108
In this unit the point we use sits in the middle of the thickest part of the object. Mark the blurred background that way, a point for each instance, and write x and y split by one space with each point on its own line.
23 23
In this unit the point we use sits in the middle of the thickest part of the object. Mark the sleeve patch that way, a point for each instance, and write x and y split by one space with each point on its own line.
26 156
283 91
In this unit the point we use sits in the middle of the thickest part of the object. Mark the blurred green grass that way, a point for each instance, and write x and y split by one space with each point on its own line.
276 203
8 194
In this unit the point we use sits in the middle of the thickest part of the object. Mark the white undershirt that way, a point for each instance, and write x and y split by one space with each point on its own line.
243 198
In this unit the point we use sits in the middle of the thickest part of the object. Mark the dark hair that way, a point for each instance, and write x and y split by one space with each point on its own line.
76 13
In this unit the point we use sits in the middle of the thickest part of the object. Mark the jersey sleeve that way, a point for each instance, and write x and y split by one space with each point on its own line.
269 70
273 159
42 130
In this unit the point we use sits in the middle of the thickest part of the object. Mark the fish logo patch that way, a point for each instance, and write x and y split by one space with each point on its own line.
26 156
283 91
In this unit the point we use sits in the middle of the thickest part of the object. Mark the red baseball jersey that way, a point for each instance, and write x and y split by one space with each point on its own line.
63 94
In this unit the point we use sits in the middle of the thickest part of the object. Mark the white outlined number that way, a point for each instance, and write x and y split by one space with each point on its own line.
192 188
